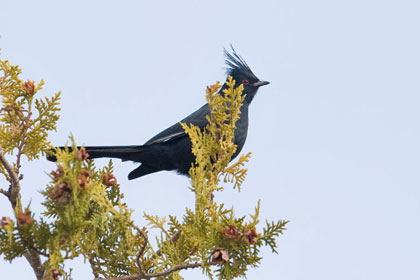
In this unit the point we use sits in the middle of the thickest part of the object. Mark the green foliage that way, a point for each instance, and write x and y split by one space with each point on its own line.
84 213
89 219
214 147
24 129
11 246
201 231
25 121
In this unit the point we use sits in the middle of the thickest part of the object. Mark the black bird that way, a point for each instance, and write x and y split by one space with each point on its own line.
171 149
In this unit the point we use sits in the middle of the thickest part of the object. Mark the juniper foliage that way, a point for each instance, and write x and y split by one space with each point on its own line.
85 215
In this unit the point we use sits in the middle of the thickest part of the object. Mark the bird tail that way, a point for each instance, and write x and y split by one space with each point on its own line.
122 152
149 155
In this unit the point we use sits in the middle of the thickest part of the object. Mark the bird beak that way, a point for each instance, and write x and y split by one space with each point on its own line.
260 83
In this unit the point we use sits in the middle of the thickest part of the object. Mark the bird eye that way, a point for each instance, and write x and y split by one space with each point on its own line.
245 82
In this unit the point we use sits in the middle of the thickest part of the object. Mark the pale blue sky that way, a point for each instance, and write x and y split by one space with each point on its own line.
335 136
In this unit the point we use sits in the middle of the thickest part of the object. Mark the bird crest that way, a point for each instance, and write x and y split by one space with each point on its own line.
236 65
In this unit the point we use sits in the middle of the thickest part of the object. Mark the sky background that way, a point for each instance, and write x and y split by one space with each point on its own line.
334 137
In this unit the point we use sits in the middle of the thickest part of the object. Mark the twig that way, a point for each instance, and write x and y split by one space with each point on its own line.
35 262
141 274
6 193
92 265
174 238
32 256
39 252
173 269
15 186
22 138
157 274
142 249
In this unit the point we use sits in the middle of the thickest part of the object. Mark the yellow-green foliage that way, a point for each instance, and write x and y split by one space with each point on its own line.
90 219
214 146
25 120
201 230
85 215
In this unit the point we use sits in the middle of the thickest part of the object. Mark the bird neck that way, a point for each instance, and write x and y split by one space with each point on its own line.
249 96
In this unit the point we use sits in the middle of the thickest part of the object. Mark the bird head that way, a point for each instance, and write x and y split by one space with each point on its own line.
242 74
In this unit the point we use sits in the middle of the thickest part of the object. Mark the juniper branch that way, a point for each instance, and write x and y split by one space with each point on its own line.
157 274
35 261
14 190
6 193
142 249
22 140
13 194
92 265
174 238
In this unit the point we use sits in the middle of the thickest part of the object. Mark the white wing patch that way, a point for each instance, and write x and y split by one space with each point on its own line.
167 138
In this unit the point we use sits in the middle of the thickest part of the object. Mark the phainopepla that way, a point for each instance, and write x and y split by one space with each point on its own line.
171 149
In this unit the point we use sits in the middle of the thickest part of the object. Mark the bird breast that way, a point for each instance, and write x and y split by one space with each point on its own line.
241 131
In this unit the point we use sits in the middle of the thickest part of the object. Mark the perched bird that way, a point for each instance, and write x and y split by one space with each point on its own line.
171 149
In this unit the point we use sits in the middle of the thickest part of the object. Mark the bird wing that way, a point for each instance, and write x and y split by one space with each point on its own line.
198 118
